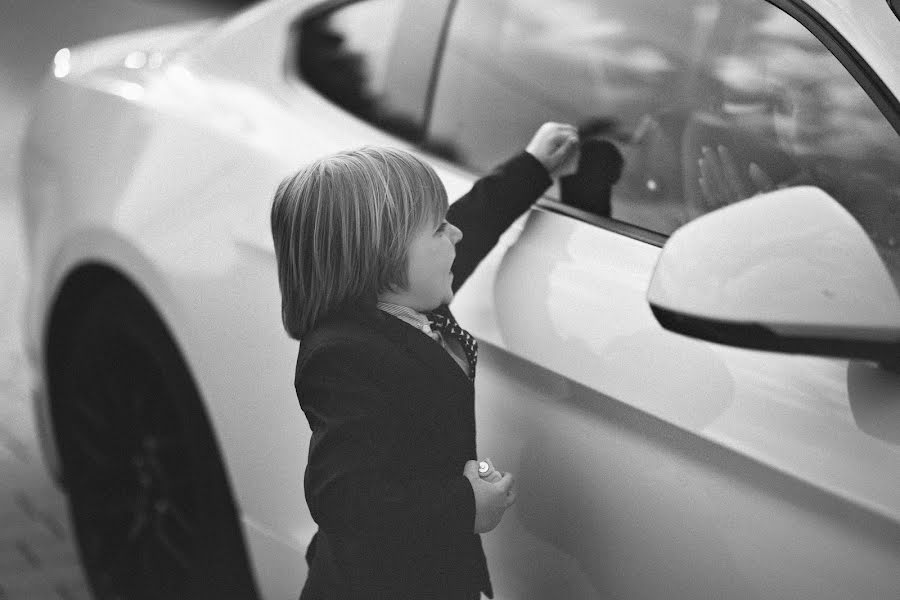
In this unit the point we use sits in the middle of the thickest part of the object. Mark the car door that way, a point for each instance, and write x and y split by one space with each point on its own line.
651 464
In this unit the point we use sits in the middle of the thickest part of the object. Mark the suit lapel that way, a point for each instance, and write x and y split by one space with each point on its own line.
422 348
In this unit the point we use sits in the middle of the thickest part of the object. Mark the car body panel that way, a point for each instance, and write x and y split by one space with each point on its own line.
649 463
629 506
585 351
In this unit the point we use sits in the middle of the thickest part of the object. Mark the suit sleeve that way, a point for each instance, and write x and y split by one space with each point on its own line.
354 482
490 207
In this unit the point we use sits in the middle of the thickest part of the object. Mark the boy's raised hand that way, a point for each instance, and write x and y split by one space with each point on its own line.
556 146
491 499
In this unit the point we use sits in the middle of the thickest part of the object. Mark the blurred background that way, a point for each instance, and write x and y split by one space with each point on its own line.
37 557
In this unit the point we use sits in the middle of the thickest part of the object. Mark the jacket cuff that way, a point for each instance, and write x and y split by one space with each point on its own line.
530 170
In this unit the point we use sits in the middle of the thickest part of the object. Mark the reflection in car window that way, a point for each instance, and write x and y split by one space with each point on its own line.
794 115
692 104
360 57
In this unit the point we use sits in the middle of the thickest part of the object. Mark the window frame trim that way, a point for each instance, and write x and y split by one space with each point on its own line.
292 75
846 54
436 68
610 224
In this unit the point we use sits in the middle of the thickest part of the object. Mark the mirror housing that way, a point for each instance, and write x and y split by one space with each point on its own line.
786 271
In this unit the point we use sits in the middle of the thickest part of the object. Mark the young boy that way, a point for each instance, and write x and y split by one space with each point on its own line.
365 243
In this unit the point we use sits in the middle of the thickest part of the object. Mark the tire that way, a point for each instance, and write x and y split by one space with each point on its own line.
149 498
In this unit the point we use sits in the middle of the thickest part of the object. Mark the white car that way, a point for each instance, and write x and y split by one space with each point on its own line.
748 448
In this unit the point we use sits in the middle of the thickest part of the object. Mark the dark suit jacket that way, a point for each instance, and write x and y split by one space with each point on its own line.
393 422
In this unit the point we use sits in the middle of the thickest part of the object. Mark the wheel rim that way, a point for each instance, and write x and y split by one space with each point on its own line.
131 496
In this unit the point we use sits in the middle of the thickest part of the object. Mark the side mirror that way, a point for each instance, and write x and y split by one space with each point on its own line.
787 271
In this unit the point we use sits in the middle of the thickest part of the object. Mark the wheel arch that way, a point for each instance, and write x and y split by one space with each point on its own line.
81 286
75 292
65 280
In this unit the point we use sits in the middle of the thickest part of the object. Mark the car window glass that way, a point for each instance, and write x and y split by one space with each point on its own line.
687 105
790 114
374 58
510 66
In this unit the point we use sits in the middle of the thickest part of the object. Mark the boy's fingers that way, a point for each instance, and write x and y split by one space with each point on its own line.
570 162
566 150
566 143
557 126
711 168
506 482
470 469
510 497
568 127
732 176
760 179
557 141
567 137
556 133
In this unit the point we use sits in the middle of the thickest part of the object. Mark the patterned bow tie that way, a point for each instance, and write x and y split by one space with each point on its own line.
447 325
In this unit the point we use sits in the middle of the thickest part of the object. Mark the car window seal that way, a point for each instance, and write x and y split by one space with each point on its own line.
614 225
436 69
846 54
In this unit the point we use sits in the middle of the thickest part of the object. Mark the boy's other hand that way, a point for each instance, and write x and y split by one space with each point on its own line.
556 146
491 499
487 471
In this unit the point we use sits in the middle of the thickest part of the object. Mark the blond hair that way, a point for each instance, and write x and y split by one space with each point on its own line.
342 227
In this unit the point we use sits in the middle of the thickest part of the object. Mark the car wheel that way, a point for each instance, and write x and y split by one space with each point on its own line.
149 498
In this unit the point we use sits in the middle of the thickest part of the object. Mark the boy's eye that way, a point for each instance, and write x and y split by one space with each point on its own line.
442 227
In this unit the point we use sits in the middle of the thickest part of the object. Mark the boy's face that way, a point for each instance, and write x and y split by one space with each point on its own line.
430 257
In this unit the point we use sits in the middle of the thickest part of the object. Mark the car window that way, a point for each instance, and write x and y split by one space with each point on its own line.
375 58
789 114
688 105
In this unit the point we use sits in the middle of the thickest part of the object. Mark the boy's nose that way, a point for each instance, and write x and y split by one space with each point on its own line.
455 233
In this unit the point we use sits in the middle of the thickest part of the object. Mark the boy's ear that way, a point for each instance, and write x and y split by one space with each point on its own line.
392 288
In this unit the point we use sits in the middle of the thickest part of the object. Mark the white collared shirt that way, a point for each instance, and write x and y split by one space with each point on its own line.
411 316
